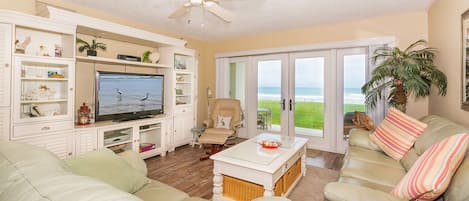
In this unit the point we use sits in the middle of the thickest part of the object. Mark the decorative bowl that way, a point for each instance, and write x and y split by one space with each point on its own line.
270 144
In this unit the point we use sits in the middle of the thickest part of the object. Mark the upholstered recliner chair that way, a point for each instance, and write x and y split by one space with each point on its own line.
222 125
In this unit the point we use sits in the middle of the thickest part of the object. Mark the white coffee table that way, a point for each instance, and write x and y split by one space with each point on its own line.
251 171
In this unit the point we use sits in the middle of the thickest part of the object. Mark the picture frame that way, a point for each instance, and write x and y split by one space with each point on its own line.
180 62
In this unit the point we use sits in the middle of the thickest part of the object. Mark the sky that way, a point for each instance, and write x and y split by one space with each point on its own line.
309 72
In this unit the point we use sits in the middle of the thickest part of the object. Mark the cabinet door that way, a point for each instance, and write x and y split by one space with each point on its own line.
86 141
182 128
4 123
61 143
5 64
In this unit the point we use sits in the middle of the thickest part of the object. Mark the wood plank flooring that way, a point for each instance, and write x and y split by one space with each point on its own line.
183 170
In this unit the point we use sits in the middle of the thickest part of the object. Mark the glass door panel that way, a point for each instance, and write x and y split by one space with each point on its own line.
309 96
237 86
270 101
354 79
352 68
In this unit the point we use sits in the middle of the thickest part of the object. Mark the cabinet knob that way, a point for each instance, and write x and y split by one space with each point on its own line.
7 65
69 153
45 128
71 89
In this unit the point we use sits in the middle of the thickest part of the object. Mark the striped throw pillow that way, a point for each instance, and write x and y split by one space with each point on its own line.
397 133
431 174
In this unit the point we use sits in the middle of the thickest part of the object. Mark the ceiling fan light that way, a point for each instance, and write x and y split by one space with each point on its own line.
196 2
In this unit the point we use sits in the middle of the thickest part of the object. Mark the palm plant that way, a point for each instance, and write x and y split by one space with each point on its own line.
404 73
91 48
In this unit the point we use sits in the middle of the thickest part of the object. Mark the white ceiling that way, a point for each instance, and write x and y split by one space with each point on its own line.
252 16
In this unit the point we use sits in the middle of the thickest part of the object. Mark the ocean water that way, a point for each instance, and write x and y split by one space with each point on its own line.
133 91
351 95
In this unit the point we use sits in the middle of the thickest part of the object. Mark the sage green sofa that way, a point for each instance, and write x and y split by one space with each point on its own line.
369 174
29 173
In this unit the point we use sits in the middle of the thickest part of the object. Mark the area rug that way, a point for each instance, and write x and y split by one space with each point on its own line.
312 185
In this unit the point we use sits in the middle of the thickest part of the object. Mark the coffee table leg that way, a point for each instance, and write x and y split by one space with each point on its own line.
217 185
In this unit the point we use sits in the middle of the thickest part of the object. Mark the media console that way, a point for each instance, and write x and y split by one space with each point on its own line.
145 136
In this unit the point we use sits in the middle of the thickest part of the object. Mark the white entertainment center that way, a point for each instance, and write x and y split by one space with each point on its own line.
42 86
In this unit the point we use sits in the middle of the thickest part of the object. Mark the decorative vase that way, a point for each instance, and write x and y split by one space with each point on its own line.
91 53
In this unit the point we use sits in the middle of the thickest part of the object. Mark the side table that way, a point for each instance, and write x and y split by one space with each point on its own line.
196 132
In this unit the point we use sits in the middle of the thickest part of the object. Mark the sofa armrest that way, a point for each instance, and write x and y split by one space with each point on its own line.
134 160
348 192
360 137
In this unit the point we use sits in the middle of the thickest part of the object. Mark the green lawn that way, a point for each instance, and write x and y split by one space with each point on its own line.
307 114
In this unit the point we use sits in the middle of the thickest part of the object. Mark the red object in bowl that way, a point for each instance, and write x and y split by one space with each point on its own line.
270 144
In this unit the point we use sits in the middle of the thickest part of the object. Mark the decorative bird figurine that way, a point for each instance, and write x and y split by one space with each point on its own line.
145 98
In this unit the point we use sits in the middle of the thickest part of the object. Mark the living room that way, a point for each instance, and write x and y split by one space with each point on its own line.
439 24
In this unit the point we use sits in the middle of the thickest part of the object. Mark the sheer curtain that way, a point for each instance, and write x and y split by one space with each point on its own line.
379 112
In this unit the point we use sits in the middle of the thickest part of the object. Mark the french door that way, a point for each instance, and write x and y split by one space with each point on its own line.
304 94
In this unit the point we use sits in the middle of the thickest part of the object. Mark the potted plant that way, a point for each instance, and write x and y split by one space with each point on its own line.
90 48
404 72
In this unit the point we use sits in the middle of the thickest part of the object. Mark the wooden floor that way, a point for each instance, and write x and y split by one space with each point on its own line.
183 170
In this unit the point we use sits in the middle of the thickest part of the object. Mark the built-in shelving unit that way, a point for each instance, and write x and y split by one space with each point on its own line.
118 61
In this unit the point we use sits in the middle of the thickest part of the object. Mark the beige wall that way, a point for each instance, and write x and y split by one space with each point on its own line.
407 28
444 19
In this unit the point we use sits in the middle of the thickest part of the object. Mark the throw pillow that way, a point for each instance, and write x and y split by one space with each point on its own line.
223 122
397 133
106 166
431 174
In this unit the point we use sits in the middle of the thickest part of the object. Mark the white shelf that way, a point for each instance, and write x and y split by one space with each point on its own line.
183 82
118 61
44 79
118 143
149 129
44 57
43 101
185 72
183 95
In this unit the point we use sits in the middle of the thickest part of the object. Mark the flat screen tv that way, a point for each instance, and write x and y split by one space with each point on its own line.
127 96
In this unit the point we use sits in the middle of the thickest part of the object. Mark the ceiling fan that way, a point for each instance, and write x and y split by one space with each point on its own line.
210 5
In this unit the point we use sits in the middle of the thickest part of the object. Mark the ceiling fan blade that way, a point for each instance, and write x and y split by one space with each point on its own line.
219 11
180 11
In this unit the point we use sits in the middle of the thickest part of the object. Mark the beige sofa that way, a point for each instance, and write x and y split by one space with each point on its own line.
368 174
29 173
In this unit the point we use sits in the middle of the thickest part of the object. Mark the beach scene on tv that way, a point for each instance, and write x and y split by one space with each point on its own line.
126 93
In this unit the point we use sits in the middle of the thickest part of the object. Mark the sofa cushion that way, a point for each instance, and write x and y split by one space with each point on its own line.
157 191
106 166
431 174
409 159
458 188
438 129
360 138
362 154
379 175
397 133
29 173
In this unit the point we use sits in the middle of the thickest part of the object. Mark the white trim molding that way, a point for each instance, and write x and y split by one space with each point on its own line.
389 40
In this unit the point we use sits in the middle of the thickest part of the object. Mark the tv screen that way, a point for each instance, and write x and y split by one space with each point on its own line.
128 96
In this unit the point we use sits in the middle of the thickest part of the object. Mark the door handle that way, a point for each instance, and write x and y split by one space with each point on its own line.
291 105
283 104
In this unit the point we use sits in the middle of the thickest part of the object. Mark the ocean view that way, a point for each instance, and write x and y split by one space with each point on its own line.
311 94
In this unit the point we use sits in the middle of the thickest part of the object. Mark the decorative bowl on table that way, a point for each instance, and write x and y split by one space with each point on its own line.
270 143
